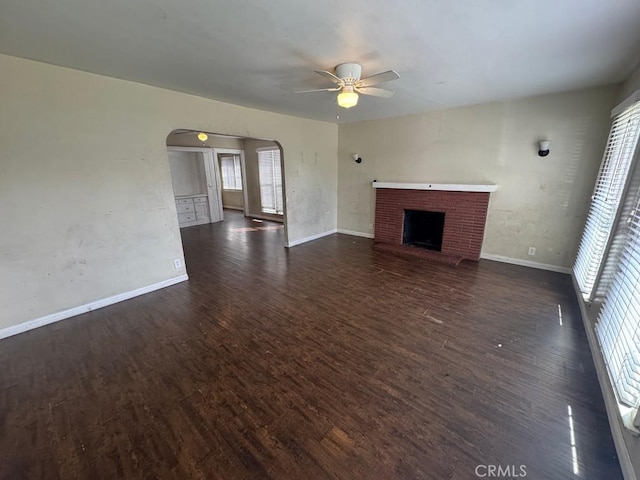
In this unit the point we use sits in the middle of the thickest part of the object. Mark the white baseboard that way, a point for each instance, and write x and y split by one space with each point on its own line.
312 237
610 403
72 312
526 263
356 234
265 217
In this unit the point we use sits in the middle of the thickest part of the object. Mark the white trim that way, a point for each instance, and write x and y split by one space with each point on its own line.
229 207
245 187
264 217
451 187
191 195
267 149
525 263
355 234
610 403
72 312
214 186
312 237
229 151
626 103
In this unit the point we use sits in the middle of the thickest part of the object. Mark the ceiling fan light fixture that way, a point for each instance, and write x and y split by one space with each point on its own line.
347 99
348 82
203 137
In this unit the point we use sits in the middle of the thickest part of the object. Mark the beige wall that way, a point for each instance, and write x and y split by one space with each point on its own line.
253 177
187 173
85 190
233 199
540 202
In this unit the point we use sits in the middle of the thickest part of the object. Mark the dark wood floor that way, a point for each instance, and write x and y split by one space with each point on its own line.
328 360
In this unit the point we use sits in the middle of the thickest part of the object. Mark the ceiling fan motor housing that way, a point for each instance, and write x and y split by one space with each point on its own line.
349 72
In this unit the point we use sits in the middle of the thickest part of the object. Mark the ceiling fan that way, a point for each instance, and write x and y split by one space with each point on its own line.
349 84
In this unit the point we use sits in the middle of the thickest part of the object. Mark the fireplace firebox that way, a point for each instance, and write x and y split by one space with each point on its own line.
423 229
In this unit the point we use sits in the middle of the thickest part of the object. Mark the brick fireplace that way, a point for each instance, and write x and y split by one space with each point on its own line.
464 208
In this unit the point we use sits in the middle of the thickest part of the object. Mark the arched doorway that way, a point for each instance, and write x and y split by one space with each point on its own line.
218 176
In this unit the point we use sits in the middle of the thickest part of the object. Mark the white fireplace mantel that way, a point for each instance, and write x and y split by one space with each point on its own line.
451 187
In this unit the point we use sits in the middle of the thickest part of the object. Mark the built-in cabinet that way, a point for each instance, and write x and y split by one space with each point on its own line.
192 210
196 185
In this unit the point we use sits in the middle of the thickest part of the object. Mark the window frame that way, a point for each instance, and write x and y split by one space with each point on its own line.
277 192
237 171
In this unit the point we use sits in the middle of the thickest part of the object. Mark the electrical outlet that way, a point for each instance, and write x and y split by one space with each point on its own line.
532 251
177 264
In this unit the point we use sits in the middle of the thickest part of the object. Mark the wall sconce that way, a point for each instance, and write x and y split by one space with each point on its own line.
356 157
203 136
544 148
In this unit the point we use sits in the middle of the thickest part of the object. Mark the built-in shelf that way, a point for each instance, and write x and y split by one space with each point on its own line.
450 187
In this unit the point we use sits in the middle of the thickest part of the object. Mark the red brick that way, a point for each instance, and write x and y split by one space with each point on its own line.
465 217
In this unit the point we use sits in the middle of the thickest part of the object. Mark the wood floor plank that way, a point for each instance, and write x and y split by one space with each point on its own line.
330 360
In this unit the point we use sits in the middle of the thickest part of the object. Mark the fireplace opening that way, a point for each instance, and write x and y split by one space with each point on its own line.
423 229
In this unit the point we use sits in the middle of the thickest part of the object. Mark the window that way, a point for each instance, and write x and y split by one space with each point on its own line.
270 172
618 325
608 261
231 172
606 198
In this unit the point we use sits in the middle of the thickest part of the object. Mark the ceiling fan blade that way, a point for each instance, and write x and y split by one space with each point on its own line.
330 76
375 92
320 90
379 78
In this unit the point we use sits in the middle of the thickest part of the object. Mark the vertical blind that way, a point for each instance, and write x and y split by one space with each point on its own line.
618 325
607 194
270 173
231 172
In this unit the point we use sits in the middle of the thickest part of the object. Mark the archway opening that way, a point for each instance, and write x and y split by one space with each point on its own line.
237 173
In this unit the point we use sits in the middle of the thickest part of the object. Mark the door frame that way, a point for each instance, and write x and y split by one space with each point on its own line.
243 168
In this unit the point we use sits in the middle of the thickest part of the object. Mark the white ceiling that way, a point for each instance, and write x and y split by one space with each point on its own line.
258 53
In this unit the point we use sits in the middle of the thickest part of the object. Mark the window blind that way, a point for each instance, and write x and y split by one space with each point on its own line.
231 172
618 325
270 173
607 194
